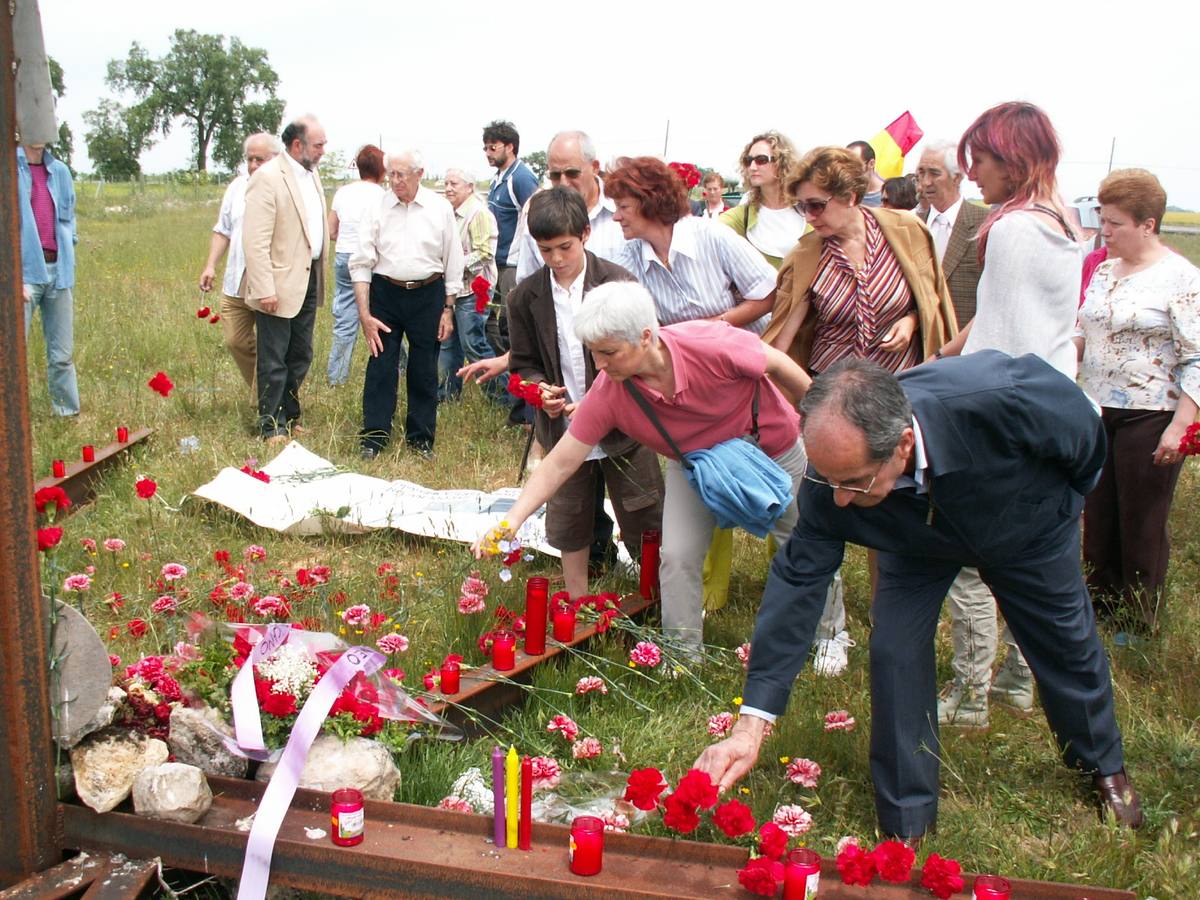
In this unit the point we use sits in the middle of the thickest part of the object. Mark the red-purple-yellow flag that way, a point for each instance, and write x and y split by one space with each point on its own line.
892 143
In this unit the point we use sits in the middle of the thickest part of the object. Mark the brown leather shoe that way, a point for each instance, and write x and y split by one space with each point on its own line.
1118 797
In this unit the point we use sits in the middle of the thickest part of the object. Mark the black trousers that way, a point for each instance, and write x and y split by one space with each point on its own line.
413 314
284 355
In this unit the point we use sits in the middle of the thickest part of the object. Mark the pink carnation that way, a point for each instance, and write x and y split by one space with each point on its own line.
546 773
173 571
359 614
474 586
88 544
468 604
839 720
243 590
187 652
589 683
719 725
844 842
114 660
804 772
743 654
255 553
457 804
77 583
565 725
114 545
586 748
165 604
792 819
645 653
615 821
271 605
392 643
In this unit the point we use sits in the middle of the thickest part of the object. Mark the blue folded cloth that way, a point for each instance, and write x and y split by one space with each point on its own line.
741 485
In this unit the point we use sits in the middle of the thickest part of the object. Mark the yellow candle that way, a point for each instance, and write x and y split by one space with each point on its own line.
512 797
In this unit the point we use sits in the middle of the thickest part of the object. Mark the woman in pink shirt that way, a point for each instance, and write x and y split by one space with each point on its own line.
699 377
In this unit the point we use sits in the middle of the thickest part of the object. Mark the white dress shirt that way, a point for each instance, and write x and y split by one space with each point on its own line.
606 239
409 241
942 223
570 349
229 224
314 209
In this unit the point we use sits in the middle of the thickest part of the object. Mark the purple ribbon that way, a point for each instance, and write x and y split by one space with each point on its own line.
246 723
277 797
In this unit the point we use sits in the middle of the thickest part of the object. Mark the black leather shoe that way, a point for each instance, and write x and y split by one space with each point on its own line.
1118 798
369 452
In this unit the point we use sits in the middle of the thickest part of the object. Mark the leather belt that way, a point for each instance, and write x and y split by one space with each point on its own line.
50 255
412 285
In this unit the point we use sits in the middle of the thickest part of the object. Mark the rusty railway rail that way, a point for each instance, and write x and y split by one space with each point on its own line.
82 477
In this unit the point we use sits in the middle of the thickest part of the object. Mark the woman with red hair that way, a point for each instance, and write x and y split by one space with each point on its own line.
1026 303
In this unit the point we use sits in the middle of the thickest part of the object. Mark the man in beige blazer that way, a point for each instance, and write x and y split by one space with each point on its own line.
939 180
284 237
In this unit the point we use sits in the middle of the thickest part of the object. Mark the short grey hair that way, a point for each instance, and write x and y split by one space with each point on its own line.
463 174
619 310
587 149
413 156
865 395
267 138
948 150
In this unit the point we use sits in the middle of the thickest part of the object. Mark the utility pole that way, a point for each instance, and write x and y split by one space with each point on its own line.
666 138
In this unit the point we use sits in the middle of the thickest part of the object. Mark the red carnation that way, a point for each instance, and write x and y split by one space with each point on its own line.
772 840
273 702
687 173
216 317
146 487
136 627
734 818
43 497
643 788
941 876
856 865
161 384
1189 444
680 815
481 288
48 538
761 876
696 788
894 860
202 313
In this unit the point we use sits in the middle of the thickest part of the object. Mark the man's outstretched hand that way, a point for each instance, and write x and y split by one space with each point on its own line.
727 761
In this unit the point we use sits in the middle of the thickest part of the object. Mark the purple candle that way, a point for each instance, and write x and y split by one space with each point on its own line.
498 795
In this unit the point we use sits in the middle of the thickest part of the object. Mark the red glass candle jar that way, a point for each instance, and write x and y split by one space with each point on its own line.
649 580
89 453
122 434
449 678
586 853
801 875
536 600
504 651
58 468
346 817
564 626
991 887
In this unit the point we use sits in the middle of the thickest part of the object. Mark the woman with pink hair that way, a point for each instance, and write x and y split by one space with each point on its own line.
1026 302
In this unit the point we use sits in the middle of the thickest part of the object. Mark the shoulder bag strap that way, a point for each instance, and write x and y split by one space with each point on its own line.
645 406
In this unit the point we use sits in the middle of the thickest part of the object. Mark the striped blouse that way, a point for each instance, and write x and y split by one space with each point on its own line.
856 308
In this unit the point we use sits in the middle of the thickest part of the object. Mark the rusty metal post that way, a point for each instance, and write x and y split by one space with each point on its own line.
26 770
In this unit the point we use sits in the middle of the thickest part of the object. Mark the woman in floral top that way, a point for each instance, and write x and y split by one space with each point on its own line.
1139 343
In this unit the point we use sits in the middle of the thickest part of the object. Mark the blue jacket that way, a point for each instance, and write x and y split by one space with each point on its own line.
62 189
507 194
1012 445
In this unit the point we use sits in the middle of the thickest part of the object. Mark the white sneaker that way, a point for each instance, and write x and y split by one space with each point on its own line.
830 658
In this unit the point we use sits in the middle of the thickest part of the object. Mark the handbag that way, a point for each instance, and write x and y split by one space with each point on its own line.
736 480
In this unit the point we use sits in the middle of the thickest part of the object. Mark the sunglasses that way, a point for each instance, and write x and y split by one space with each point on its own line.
556 174
762 159
813 207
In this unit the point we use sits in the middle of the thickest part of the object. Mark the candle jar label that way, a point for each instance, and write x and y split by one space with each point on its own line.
349 824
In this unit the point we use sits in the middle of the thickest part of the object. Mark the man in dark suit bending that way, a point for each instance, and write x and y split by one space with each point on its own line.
983 461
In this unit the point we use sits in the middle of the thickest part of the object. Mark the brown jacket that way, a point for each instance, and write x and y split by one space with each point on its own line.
961 262
276 240
533 338
912 244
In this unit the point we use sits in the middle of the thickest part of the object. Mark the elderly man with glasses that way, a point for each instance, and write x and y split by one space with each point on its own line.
981 461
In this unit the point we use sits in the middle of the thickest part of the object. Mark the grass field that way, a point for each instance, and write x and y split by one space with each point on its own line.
1007 805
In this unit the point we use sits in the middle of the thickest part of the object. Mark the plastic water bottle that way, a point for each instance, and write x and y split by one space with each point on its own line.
189 444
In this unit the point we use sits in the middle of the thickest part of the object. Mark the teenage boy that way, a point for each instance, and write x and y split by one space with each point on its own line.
546 352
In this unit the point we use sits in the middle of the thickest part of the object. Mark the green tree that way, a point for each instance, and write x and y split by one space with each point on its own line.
116 137
537 161
65 145
222 93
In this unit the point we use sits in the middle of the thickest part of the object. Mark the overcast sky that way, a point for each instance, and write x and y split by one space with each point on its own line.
430 75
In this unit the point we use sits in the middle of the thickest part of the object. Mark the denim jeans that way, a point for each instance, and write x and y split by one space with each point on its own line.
468 341
58 327
345 321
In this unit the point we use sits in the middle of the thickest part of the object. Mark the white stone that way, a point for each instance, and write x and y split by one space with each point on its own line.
195 739
357 763
173 791
106 763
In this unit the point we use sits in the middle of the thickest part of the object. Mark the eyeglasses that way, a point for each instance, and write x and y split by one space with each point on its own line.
572 173
761 159
813 207
817 479
257 159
